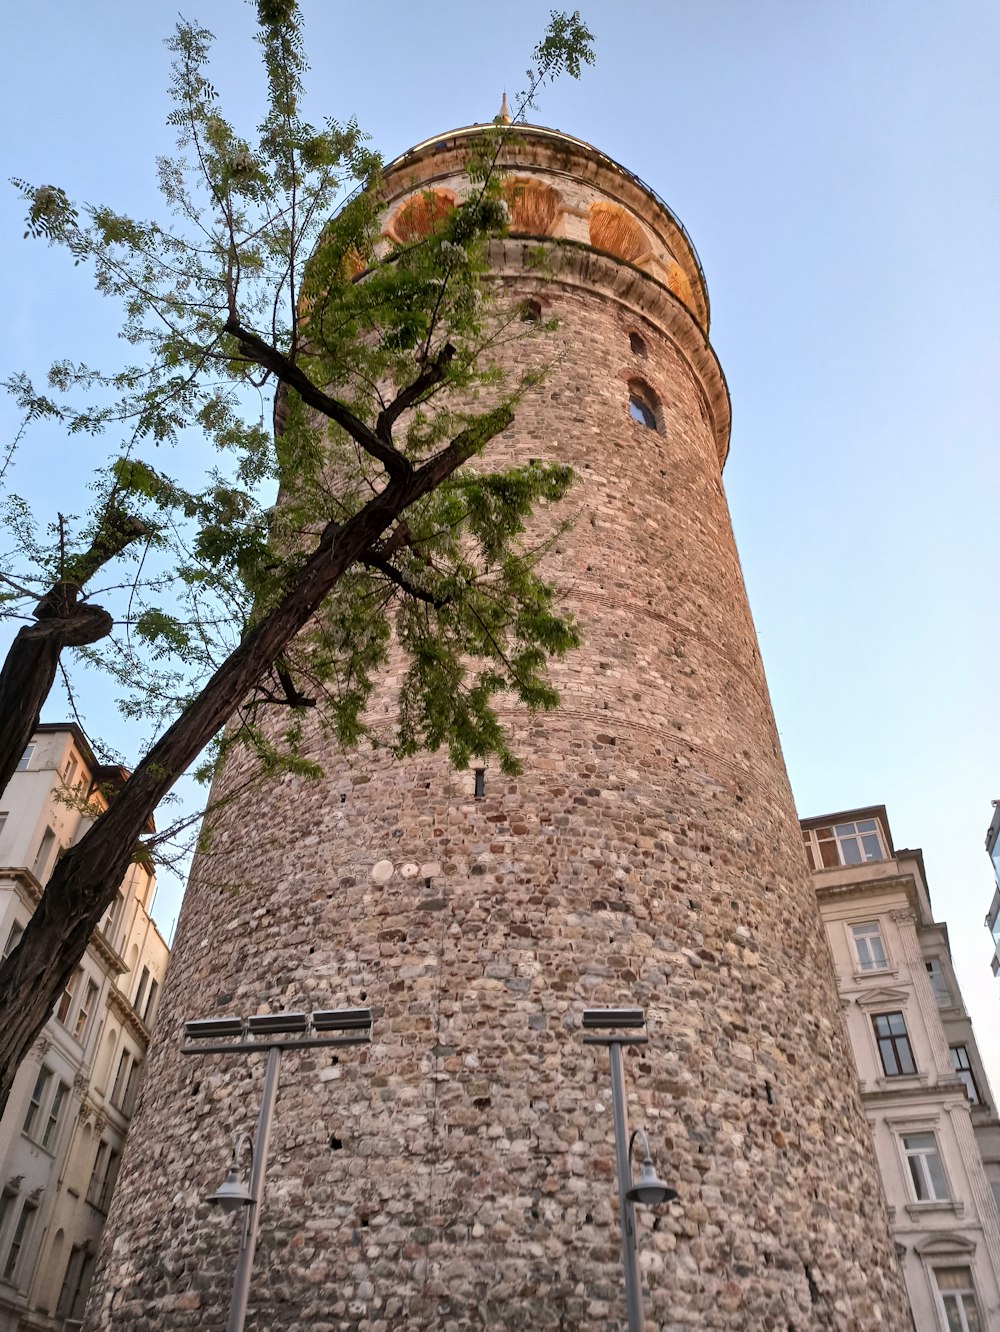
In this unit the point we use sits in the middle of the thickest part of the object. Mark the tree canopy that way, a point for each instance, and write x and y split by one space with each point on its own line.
278 576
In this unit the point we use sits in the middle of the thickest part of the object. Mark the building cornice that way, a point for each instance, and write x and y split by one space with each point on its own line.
130 1018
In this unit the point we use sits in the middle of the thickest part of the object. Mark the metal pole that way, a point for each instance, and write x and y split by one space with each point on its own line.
630 1253
251 1221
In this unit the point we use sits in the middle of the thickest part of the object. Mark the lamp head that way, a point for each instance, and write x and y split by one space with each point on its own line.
232 1193
650 1190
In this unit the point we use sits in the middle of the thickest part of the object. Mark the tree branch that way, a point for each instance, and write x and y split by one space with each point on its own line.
400 580
263 353
431 375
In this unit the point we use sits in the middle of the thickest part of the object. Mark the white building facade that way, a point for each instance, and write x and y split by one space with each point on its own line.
932 1113
62 1134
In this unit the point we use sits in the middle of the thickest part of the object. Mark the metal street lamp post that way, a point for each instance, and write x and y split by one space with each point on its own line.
618 1027
270 1032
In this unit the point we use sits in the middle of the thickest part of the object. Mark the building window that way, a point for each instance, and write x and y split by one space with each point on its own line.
22 1233
102 1178
81 1027
33 1117
962 1065
140 993
55 1113
642 405
147 1015
75 1282
69 770
3 821
893 1044
531 312
110 922
868 946
66 998
13 939
44 852
939 982
25 758
958 1296
926 1172
637 345
121 1079
851 843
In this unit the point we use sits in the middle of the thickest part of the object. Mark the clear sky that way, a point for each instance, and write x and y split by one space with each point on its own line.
836 163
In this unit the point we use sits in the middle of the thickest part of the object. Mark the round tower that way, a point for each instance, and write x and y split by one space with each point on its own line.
459 1173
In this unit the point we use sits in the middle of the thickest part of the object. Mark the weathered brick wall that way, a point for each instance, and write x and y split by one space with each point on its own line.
459 1173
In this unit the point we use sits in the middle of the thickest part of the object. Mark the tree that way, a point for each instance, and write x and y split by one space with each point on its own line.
270 270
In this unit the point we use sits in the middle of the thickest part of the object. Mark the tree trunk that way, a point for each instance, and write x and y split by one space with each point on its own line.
84 882
30 670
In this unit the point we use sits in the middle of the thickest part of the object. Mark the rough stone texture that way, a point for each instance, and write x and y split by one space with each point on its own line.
459 1174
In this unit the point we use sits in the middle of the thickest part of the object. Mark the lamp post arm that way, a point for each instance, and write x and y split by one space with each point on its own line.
251 1223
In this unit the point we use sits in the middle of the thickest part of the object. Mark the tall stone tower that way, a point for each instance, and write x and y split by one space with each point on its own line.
459 1174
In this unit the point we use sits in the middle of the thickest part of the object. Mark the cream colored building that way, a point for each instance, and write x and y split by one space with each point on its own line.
62 1134
932 1112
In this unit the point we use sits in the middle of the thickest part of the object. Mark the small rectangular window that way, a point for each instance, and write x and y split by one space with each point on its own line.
121 1079
480 787
926 1172
44 854
147 1014
108 1182
109 924
962 1065
13 939
939 982
25 758
22 1233
140 993
893 1045
81 1028
33 1117
3 821
868 946
55 1113
69 771
97 1174
65 1003
958 1296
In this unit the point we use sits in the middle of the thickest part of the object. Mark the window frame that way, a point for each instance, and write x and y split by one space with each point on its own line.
19 1241
923 1162
968 1290
85 1013
65 1005
940 987
874 928
13 939
973 1092
53 1120
39 1096
842 833
891 1038
25 759
644 403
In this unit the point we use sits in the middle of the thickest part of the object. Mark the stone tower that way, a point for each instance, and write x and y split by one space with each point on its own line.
459 1174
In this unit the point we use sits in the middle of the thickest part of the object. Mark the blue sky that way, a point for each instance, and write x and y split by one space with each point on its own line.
836 164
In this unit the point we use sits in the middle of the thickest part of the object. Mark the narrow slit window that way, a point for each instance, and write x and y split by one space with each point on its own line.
637 344
480 787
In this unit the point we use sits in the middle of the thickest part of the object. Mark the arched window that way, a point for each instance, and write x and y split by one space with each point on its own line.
637 345
615 232
420 215
531 206
643 405
531 312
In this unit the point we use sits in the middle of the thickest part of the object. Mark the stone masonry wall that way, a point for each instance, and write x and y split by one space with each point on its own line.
459 1173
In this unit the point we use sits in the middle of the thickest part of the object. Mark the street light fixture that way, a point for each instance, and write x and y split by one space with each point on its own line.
615 1027
270 1032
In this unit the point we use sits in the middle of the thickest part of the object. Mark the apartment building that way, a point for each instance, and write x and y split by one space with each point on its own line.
932 1112
62 1134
